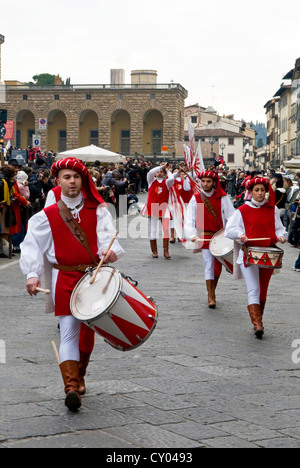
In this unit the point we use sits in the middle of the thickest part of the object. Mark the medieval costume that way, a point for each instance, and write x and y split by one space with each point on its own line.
51 245
255 220
180 196
208 213
157 207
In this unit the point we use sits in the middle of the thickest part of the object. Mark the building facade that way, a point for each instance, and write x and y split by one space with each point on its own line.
222 136
283 121
138 118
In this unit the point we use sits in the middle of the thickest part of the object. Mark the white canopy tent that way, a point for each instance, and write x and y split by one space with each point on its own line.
92 153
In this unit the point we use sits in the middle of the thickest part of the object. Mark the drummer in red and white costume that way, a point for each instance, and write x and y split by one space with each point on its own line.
256 219
204 221
49 245
160 180
183 194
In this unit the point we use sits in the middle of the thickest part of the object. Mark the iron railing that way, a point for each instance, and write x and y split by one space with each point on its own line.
96 87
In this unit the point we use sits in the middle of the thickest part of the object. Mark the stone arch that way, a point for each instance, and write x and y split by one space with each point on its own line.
57 129
88 127
120 131
121 105
153 126
25 127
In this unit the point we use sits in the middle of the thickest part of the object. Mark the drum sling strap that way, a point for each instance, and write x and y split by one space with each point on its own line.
210 208
79 235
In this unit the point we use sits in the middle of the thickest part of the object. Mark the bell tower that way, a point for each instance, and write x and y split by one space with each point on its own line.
1 42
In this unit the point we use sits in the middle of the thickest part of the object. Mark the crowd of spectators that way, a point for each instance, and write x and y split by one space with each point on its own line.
29 182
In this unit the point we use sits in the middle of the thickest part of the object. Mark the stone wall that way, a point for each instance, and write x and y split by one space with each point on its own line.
73 101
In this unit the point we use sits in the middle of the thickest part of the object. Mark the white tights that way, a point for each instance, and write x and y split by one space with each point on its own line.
154 225
251 276
209 264
69 338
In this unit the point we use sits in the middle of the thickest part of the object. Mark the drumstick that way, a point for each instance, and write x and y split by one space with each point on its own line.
56 352
102 259
258 239
46 291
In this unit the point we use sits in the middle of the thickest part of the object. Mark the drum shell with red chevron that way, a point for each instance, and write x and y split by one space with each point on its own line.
115 309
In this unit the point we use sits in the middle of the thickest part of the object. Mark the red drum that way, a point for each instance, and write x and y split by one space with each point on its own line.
222 249
114 308
264 257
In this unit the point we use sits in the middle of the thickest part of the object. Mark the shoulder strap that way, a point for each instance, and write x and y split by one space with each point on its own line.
277 203
74 227
210 208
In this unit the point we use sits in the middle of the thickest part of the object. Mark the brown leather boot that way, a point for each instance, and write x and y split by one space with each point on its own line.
83 363
215 284
70 374
173 238
153 244
166 249
210 285
262 307
256 319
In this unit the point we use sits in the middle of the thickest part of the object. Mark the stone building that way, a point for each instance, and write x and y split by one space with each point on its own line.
283 122
136 118
221 136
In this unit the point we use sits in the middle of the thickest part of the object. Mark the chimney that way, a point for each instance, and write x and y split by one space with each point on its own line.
58 80
117 77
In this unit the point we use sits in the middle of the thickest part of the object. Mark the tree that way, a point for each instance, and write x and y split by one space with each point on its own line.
44 79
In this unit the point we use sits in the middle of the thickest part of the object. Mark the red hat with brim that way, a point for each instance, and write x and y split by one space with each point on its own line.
215 176
74 164
262 181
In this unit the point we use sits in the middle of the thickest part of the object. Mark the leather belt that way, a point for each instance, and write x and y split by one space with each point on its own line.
206 233
80 268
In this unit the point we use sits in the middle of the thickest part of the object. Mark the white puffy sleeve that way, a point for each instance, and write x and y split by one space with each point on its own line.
228 209
37 242
235 227
279 227
190 219
105 232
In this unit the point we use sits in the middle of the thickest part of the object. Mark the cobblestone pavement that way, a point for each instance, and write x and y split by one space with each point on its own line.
201 379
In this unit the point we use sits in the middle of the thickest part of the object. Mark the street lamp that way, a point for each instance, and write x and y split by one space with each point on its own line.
212 142
222 147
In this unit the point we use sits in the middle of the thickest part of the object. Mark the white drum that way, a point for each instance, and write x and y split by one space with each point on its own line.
222 249
114 308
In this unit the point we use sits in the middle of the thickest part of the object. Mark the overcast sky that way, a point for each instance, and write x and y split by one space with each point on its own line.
226 53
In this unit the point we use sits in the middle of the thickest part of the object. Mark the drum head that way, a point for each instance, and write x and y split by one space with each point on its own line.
220 245
91 300
265 249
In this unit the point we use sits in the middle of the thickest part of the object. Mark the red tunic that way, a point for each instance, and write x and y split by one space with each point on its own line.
68 251
20 201
205 221
186 195
57 193
158 200
259 223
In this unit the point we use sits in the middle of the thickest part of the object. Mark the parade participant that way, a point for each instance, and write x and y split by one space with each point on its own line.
51 243
256 219
208 213
160 180
182 194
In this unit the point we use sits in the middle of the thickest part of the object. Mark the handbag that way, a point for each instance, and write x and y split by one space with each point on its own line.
10 217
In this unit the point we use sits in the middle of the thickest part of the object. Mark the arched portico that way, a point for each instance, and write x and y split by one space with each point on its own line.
152 132
88 128
25 128
57 131
120 132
